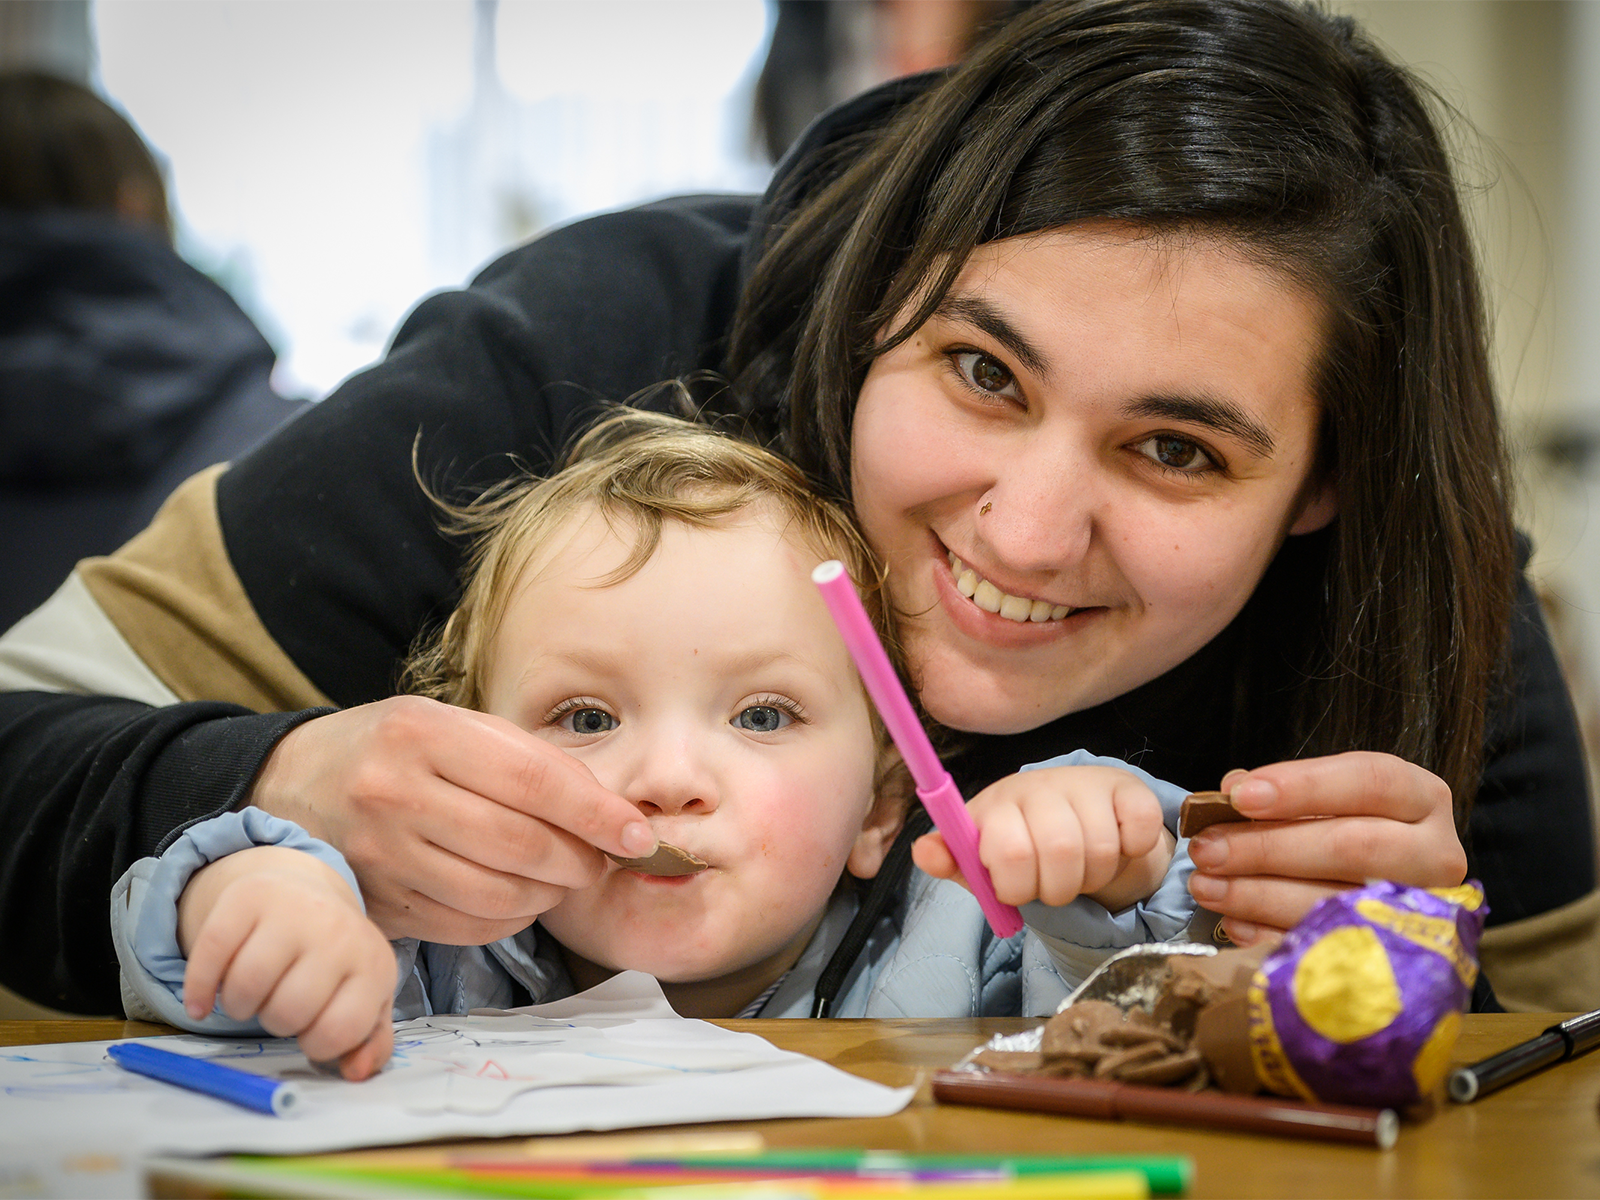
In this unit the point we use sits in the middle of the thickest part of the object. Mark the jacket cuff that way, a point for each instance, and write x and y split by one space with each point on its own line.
144 911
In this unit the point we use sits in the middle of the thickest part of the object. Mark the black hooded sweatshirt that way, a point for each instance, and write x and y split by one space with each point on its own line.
123 370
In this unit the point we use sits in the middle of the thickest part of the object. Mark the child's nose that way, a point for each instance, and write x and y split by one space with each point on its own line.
673 777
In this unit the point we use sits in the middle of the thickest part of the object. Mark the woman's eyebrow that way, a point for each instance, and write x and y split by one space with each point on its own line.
1222 415
979 312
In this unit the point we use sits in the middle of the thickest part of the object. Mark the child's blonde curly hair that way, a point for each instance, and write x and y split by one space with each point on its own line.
635 470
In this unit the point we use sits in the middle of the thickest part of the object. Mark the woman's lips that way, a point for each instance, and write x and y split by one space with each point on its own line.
992 600
989 622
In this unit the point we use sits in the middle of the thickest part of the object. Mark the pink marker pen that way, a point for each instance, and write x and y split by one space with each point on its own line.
935 788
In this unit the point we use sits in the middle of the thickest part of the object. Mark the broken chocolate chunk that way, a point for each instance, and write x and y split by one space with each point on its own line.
1204 809
667 860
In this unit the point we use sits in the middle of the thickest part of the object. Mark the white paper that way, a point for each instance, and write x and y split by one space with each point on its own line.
615 1057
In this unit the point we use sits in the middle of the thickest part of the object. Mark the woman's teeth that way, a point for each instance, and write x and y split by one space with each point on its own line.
991 599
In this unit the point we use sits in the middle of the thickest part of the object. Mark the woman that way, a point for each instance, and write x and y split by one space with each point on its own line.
1162 315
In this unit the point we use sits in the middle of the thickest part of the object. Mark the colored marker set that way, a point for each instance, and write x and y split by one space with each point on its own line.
818 1174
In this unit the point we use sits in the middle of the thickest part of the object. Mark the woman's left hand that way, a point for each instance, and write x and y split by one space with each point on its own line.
1375 817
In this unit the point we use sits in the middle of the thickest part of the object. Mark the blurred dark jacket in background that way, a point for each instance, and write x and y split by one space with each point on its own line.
123 370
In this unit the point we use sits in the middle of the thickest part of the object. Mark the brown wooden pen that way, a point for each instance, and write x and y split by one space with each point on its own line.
1107 1099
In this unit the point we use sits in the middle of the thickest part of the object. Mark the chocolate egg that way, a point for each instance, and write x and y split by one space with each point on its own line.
1362 1001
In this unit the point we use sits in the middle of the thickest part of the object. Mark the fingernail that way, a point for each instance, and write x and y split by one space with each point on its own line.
1254 795
638 839
1231 775
1206 888
1208 852
1243 933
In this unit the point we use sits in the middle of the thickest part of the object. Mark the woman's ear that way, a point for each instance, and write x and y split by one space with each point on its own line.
1318 506
895 792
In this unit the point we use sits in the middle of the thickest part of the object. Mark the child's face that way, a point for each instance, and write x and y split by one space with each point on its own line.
712 690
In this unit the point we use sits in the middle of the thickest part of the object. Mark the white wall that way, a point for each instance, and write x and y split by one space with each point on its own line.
333 162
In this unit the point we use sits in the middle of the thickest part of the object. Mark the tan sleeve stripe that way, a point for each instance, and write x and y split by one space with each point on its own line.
1547 963
173 594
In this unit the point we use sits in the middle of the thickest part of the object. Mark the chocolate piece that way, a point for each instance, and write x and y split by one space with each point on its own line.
667 860
1166 1071
1136 977
1141 1033
1096 1038
1204 809
1222 1037
1019 1062
1076 1031
1111 1066
1199 980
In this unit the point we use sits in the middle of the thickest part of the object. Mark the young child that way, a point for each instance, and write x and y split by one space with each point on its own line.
649 610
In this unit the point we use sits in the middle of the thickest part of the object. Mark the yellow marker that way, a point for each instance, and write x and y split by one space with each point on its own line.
1096 1185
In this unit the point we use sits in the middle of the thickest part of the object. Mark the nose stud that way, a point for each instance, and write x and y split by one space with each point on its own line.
984 511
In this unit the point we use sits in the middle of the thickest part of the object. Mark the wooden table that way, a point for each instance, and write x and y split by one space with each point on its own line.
1540 1137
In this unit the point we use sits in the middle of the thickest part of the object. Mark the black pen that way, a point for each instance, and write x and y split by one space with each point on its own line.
1556 1044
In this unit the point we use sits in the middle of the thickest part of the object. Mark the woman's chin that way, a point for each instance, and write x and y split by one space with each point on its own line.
978 705
992 724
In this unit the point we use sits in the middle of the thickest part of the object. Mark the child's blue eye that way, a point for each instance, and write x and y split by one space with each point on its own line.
762 718
589 721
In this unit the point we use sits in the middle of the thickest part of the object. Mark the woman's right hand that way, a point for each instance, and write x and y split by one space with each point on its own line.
1318 827
461 827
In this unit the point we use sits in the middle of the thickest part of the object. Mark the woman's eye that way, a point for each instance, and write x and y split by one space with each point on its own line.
985 373
587 721
762 718
1177 454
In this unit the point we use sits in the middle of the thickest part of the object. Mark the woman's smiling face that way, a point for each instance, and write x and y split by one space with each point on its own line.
1079 468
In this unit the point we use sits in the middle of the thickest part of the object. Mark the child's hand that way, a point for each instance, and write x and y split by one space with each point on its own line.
280 936
1062 832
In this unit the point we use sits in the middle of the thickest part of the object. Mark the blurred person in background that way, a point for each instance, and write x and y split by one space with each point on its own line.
123 370
823 53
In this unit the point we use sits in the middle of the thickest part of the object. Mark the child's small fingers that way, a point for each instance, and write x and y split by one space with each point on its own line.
353 979
202 975
931 855
1057 839
1138 818
217 945
254 973
368 1058
345 1023
294 1003
1102 845
1006 849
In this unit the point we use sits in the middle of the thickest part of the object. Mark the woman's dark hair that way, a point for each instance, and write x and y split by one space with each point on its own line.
1283 131
64 147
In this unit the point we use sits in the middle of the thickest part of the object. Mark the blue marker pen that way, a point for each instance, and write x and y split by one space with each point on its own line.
271 1096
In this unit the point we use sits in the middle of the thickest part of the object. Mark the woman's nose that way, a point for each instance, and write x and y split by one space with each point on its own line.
1040 512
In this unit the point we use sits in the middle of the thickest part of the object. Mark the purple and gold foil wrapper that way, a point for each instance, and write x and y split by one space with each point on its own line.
1362 1002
